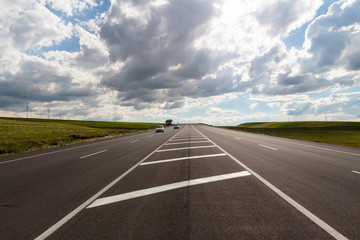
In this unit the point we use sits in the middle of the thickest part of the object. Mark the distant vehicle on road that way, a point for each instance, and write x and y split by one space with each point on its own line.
159 128
176 126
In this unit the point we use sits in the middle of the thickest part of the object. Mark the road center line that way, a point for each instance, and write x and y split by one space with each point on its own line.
184 148
164 188
292 202
267 147
135 141
237 138
356 172
92 154
183 158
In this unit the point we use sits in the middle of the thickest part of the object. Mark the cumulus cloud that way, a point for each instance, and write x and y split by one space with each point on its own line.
170 55
333 39
280 17
69 7
39 83
345 103
149 47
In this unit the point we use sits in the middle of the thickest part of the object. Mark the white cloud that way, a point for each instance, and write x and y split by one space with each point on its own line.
163 58
69 7
253 106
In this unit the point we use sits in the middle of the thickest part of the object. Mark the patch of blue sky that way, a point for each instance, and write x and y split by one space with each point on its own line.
331 91
84 15
87 14
325 7
296 37
350 90
69 45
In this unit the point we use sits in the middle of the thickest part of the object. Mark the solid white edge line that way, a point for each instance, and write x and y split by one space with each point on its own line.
183 158
184 148
356 172
65 219
261 145
291 201
92 154
164 188
62 150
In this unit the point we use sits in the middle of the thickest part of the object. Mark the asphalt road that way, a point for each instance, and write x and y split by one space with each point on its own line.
198 182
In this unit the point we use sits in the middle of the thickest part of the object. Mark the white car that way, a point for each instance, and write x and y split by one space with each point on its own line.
159 128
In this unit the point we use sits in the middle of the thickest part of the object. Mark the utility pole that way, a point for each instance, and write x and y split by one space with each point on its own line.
48 113
27 109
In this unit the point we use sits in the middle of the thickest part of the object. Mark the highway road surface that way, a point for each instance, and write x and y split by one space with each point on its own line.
198 182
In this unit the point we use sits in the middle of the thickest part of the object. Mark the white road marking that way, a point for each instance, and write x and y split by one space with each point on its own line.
238 138
291 201
135 141
183 158
151 135
65 219
92 154
62 150
186 142
310 146
356 172
186 139
184 148
164 188
261 145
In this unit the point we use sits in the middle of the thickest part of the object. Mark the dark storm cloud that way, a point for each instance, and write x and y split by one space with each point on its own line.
38 83
354 61
286 84
90 58
260 65
278 16
151 47
160 65
327 48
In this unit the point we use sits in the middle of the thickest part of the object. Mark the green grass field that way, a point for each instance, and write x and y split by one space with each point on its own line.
341 133
22 134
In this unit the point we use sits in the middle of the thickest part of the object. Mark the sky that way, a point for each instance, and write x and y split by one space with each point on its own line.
220 62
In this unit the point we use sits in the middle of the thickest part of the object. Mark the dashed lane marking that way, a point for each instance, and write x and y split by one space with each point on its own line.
164 188
69 216
93 154
356 172
134 141
261 145
330 230
183 158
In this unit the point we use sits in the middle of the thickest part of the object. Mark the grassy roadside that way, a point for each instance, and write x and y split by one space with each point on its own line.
20 135
341 133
